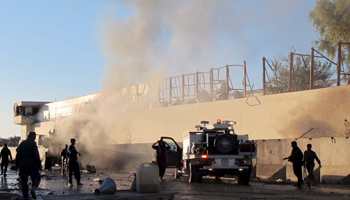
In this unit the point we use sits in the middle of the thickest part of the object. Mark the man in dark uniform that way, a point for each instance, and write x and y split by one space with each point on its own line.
309 157
64 154
28 162
161 148
5 153
73 165
296 158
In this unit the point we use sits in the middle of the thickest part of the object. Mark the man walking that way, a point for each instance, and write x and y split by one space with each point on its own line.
73 165
64 154
296 158
309 157
5 153
161 148
28 162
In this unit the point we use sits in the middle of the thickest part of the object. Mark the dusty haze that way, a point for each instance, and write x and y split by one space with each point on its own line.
157 39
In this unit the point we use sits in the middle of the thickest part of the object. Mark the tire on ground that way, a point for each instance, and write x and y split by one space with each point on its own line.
176 173
194 174
244 178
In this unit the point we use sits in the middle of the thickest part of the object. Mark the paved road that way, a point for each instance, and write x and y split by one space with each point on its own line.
224 189
54 184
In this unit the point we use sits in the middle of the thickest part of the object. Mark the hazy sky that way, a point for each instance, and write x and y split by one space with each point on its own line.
62 49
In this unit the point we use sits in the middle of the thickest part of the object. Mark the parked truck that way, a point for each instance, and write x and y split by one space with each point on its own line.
214 150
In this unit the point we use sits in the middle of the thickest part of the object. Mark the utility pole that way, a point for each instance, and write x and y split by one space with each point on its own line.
244 79
263 64
312 68
338 63
290 71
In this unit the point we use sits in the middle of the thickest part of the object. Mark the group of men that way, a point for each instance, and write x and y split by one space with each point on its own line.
307 161
298 159
28 163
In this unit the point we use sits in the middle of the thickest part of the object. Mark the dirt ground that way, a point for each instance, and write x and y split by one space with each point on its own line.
53 183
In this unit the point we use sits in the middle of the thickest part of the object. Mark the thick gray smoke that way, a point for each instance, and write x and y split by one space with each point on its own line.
97 130
159 37
155 39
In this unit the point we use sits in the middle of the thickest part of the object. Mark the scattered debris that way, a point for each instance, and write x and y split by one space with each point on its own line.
124 185
107 187
96 179
91 169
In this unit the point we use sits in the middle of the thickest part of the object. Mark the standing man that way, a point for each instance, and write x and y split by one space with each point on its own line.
161 148
5 153
309 157
28 162
73 165
64 154
296 158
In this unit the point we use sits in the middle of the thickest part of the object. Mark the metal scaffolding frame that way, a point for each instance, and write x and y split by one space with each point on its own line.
312 55
200 86
339 70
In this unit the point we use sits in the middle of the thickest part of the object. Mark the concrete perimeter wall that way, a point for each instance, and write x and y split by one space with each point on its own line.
279 116
334 154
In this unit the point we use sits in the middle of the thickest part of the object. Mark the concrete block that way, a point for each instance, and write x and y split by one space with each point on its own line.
274 172
335 174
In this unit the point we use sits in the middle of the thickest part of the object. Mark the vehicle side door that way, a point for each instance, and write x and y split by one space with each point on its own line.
174 153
